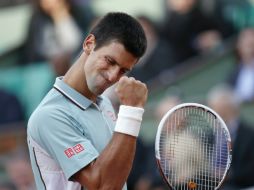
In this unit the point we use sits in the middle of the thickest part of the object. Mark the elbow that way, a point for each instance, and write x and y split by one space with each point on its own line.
90 180
95 181
93 178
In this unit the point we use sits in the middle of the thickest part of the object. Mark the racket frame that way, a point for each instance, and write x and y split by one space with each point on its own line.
197 105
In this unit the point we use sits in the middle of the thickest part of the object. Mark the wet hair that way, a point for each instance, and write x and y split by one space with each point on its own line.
122 28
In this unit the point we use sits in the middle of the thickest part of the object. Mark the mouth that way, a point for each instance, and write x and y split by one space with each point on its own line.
105 83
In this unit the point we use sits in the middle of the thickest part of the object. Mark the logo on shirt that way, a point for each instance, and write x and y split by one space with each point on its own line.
69 152
111 115
78 148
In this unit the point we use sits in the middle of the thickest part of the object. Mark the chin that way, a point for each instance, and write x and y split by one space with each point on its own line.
99 91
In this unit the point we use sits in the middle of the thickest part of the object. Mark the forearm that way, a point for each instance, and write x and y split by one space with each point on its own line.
111 169
116 161
68 33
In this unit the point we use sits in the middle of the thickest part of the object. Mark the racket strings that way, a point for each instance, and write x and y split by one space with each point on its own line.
196 154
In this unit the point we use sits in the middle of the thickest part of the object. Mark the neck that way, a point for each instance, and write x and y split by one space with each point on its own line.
75 78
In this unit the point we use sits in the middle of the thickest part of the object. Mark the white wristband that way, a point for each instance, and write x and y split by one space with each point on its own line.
129 120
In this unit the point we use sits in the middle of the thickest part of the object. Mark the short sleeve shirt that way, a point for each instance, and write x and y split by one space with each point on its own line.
66 132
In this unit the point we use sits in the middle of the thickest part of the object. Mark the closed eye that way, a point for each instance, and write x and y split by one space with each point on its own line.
111 61
124 71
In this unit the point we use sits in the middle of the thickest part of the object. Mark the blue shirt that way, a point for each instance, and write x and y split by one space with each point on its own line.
66 132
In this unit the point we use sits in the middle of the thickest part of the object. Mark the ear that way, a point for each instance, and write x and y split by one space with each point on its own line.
89 44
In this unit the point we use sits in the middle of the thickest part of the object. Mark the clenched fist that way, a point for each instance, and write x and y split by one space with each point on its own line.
131 92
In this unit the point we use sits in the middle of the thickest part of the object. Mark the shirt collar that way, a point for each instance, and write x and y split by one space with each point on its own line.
74 96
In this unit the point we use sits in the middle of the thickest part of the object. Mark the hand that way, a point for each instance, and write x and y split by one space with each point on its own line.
56 9
131 92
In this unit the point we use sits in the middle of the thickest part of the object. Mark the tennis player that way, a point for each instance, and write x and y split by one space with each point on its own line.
74 138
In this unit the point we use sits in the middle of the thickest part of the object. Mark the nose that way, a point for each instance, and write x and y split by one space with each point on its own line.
113 73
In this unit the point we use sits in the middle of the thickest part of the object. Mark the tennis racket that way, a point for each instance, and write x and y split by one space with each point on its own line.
193 148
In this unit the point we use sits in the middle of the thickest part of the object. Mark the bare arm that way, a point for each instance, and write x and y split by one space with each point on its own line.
111 169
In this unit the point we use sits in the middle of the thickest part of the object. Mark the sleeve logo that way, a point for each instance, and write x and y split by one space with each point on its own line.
78 148
69 152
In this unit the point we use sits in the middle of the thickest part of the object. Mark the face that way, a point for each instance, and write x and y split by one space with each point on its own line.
246 45
181 6
106 65
51 5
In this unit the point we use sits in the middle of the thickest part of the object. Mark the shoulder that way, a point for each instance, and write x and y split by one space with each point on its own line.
50 125
50 119
46 118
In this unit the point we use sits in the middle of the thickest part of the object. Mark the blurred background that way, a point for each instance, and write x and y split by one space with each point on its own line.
198 51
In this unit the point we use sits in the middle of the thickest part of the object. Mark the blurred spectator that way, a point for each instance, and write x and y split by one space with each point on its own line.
10 109
242 78
225 103
166 104
189 30
55 31
158 56
19 171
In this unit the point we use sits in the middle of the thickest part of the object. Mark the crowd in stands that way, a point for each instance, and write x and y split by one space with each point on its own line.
224 101
189 28
242 78
55 32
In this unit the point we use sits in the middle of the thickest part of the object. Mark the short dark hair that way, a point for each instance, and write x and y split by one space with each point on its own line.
123 28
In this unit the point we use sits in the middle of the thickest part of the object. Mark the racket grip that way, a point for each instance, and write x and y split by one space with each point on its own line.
129 120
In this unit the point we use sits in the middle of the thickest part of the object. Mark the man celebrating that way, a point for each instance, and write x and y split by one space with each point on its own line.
74 137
